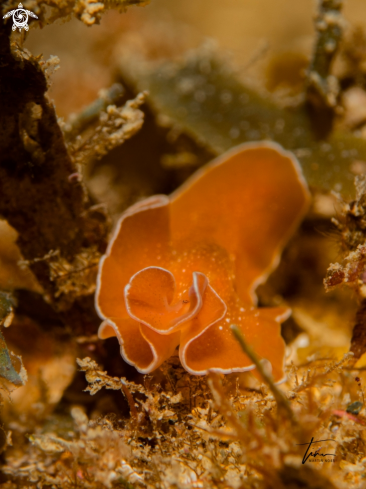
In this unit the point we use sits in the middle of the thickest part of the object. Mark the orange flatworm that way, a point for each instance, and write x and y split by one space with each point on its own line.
180 270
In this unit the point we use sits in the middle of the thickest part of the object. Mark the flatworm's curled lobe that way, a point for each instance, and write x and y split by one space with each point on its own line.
181 269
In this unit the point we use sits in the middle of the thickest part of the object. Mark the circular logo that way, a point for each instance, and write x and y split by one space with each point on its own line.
20 19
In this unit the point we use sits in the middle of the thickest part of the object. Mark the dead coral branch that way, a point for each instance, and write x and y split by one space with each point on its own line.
115 125
352 270
88 11
322 86
50 210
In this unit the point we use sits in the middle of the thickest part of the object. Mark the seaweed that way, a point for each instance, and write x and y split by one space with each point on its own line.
204 97
7 370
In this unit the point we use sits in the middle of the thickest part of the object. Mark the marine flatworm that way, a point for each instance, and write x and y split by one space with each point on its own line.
180 270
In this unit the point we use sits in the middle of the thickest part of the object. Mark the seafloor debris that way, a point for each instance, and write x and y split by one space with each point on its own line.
184 436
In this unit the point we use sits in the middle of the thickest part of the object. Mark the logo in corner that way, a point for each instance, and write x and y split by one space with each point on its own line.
20 17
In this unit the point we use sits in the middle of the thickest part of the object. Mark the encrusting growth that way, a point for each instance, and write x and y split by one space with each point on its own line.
181 269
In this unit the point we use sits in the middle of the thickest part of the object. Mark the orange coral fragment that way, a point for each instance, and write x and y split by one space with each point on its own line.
181 269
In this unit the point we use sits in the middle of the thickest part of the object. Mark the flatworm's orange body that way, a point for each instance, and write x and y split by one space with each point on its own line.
181 269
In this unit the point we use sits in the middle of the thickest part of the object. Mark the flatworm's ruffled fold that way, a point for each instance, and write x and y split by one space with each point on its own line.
150 299
141 240
216 349
181 270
